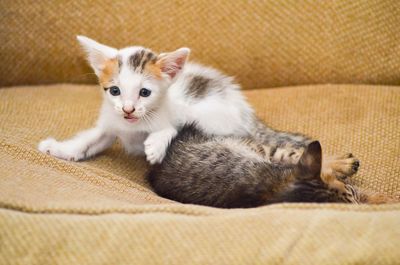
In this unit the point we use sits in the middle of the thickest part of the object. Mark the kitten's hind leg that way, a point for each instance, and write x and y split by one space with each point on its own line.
84 145
340 167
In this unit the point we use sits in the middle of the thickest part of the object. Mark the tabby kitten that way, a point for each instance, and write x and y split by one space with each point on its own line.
147 97
232 172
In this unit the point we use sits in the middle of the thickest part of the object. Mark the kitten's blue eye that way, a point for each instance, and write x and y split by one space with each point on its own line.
115 91
144 92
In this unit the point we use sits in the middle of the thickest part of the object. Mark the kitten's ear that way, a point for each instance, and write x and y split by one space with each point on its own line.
172 63
98 54
310 162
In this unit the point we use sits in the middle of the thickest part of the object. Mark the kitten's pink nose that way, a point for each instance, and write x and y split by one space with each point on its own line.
128 110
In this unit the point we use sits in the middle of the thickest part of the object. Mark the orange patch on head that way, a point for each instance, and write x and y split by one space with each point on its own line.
110 68
153 69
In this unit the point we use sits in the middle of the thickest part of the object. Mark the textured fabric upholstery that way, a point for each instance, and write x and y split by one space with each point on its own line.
102 210
265 43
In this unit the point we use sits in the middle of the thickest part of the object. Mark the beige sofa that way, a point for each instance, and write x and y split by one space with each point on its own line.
330 69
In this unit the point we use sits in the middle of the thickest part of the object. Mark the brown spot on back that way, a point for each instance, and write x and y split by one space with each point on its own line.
198 86
110 68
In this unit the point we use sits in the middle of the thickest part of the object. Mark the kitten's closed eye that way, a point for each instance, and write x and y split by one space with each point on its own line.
115 91
144 92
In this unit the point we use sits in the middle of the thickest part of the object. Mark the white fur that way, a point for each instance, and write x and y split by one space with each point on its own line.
97 53
225 113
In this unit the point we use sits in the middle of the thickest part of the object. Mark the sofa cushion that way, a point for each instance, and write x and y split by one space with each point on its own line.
264 43
55 210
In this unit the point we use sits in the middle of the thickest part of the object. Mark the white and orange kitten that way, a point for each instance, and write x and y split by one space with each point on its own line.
148 97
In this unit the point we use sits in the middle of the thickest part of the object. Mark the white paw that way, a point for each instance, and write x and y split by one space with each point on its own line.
45 145
155 148
62 150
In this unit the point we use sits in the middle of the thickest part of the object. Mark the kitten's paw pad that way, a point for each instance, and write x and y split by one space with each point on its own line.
154 150
342 167
60 150
348 166
355 166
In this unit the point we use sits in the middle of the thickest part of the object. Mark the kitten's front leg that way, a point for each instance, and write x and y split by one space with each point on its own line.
156 144
83 145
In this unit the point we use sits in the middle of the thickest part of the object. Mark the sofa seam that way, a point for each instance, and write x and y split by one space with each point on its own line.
175 209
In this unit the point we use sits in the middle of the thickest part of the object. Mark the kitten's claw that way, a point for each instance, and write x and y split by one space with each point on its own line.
355 166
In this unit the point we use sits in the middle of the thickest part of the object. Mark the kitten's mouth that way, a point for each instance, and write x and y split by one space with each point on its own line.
130 118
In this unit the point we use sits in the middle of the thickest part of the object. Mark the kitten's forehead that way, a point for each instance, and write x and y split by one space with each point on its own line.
136 58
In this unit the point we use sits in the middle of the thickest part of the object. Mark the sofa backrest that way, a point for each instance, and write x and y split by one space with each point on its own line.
265 43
